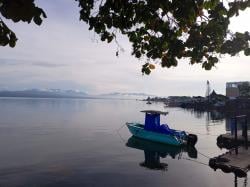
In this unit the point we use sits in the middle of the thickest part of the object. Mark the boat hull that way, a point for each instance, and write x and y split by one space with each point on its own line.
138 131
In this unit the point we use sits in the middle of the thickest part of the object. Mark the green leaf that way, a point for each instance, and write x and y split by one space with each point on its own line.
247 51
37 20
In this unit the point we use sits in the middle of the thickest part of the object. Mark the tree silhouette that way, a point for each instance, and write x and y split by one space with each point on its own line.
244 89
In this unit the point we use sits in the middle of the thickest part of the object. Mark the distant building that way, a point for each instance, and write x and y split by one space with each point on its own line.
232 89
218 100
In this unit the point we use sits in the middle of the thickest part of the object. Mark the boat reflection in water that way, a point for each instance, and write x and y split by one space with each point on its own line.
154 151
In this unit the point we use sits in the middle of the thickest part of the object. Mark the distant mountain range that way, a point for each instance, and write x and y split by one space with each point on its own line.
58 93
117 95
47 93
125 94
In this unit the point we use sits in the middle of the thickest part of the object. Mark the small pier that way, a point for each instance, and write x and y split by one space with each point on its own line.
237 159
228 140
235 138
238 163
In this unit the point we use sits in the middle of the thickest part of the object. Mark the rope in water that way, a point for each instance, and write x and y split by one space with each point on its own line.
117 131
203 154
121 127
195 161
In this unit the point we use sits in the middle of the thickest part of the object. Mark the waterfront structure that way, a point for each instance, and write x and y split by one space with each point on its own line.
208 90
218 100
232 89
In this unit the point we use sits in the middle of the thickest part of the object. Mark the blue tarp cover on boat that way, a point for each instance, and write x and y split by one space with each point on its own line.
152 123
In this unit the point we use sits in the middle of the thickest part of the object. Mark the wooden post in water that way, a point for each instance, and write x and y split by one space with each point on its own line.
244 127
245 132
235 136
235 181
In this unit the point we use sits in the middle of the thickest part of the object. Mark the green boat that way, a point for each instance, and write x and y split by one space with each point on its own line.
153 131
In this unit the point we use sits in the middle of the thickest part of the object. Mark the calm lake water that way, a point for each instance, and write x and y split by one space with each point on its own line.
75 142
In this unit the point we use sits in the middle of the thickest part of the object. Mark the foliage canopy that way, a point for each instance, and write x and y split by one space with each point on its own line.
244 89
160 30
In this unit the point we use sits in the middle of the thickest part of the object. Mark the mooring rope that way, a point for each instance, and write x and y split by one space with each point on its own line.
123 140
203 154
195 161
120 127
118 133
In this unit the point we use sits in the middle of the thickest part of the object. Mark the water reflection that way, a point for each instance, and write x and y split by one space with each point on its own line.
240 124
58 142
217 117
153 152
213 116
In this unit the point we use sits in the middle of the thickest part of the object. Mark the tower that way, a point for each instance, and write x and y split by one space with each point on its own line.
208 90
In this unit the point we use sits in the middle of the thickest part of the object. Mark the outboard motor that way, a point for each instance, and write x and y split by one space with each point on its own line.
191 139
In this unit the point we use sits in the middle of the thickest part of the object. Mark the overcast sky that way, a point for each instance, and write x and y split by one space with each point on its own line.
62 53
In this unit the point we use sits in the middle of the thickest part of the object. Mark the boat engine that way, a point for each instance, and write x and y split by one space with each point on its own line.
192 139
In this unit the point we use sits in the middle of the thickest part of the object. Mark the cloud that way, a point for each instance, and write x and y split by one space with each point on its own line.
61 54
19 62
48 65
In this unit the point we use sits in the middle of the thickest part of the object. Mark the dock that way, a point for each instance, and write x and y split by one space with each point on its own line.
237 159
235 138
228 140
232 161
